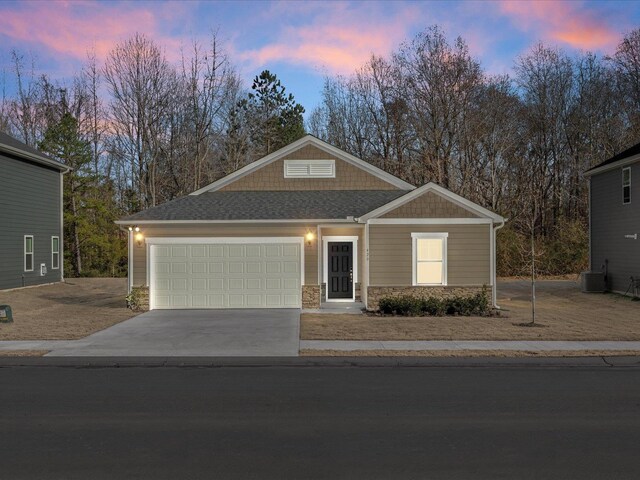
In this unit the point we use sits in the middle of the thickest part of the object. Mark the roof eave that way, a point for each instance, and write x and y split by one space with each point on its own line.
623 162
41 159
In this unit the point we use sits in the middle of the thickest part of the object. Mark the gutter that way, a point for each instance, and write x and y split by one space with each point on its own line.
495 263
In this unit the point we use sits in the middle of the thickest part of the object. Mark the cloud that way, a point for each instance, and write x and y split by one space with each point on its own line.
71 29
339 39
566 22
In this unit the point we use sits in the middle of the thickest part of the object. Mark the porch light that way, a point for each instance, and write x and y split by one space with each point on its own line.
309 237
139 237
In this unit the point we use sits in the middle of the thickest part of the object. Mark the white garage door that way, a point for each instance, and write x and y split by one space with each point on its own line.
242 274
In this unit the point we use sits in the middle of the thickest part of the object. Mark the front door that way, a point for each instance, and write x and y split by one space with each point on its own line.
340 281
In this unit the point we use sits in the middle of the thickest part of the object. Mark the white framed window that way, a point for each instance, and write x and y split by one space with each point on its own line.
28 253
55 253
429 258
626 185
309 169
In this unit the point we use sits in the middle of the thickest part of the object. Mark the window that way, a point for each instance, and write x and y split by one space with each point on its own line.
626 185
429 258
28 253
309 169
55 253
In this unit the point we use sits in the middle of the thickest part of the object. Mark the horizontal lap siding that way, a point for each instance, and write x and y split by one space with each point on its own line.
310 253
611 220
29 205
390 254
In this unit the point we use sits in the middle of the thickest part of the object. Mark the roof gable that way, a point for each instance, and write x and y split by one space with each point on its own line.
630 155
308 148
460 204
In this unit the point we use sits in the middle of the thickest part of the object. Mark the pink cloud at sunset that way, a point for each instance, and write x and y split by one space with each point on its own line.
73 28
563 22
339 43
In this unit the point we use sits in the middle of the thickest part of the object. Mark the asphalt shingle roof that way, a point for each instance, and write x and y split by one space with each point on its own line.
268 205
629 152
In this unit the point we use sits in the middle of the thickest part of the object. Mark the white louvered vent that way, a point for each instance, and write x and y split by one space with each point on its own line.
309 169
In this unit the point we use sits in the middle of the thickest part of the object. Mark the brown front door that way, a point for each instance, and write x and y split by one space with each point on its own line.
340 281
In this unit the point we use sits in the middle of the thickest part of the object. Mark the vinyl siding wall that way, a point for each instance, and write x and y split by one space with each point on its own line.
429 205
611 220
468 254
29 205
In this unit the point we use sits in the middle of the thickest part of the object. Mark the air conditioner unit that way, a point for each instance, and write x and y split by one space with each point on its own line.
593 282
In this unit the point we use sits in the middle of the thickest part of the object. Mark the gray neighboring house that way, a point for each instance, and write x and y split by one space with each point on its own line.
614 219
30 215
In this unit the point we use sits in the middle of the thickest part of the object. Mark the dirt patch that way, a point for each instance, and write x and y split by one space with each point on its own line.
567 314
23 353
467 353
65 311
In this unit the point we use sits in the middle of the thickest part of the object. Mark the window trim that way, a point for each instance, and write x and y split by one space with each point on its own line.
308 163
628 185
415 236
53 267
25 253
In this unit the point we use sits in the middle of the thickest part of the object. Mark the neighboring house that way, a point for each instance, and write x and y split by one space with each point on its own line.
614 219
306 225
30 215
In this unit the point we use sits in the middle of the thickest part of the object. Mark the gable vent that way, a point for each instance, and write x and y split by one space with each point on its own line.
309 168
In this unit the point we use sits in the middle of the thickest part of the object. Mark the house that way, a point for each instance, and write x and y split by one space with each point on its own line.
306 226
30 216
614 220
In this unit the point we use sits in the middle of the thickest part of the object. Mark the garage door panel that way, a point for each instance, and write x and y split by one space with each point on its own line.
248 275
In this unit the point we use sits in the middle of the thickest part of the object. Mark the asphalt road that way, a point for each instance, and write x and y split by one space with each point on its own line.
319 422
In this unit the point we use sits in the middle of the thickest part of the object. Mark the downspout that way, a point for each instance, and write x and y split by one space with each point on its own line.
130 262
61 237
495 263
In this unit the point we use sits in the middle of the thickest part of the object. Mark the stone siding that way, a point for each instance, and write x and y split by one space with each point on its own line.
311 296
374 294
143 297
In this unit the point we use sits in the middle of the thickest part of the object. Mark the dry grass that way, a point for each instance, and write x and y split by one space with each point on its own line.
566 313
467 353
23 353
65 311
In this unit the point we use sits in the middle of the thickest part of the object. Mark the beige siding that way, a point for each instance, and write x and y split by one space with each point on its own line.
429 205
390 255
271 177
254 230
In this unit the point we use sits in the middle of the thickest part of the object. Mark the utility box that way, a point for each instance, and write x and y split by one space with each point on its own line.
5 314
43 269
593 282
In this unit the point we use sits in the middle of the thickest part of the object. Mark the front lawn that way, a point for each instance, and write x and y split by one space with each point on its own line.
564 311
65 311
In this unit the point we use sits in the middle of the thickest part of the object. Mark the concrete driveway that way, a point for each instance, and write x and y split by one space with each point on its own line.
267 332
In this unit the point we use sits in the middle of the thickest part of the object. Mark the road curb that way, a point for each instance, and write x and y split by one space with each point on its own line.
344 362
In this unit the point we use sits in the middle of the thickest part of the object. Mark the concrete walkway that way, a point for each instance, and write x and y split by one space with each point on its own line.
535 346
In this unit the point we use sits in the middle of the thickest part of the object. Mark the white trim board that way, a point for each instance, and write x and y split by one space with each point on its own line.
303 142
236 222
415 236
623 162
430 221
325 265
438 190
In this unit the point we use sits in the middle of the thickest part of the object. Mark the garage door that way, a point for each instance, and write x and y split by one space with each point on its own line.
226 275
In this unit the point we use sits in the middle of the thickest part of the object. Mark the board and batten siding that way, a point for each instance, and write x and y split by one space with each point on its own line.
29 205
611 220
220 230
468 254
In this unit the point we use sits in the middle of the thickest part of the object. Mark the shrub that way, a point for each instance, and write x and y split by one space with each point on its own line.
407 305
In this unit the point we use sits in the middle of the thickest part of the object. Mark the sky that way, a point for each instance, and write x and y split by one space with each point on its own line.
302 42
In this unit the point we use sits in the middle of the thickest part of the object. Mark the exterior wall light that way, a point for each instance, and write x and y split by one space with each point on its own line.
309 236
139 237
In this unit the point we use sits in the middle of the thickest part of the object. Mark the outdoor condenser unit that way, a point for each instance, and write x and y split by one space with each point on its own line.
593 282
